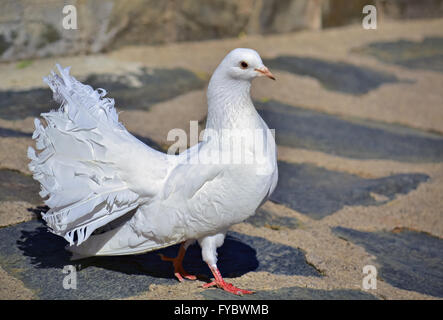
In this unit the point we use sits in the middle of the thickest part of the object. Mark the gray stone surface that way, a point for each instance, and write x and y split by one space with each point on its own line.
16 186
5 132
338 76
318 192
16 105
349 137
149 142
265 218
426 54
140 90
35 256
130 91
408 259
292 293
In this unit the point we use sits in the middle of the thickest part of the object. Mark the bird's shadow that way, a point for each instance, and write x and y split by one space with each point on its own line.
47 251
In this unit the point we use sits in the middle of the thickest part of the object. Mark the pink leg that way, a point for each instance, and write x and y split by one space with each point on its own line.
179 271
219 282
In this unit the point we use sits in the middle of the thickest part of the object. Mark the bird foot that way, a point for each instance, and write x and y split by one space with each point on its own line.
179 272
229 287
222 284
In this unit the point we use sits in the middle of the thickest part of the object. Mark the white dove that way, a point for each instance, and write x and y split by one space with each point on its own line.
98 177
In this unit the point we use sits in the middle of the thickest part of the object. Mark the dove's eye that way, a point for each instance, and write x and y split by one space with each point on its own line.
243 65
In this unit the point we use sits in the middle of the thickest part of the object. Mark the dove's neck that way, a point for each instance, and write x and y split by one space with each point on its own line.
229 104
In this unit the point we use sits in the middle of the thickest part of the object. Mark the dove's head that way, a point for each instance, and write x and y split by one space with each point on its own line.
244 64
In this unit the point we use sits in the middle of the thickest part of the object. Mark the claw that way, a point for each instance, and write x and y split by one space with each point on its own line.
220 283
177 262
229 287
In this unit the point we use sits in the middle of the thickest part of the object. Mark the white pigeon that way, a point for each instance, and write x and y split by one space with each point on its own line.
99 177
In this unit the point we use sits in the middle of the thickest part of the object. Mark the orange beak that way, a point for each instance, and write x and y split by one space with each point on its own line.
265 71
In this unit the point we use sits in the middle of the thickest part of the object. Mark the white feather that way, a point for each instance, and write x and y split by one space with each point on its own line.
83 161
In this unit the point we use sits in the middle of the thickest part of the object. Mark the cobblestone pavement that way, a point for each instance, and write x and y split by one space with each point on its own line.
359 124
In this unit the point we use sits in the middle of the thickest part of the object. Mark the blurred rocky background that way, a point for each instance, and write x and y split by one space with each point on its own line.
33 28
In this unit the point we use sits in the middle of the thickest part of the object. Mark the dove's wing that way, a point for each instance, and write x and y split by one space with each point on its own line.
91 168
187 179
207 197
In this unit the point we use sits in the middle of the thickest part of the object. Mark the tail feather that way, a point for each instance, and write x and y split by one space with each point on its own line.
119 241
74 167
